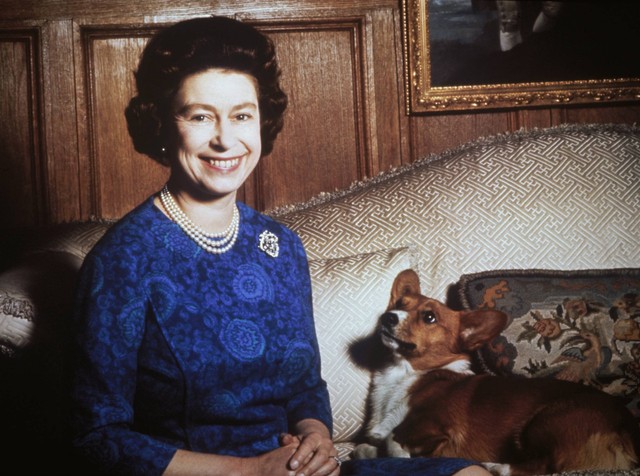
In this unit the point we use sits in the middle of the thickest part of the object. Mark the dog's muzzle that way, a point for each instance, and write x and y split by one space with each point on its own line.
388 323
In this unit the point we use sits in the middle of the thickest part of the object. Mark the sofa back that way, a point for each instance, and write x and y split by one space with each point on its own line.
560 198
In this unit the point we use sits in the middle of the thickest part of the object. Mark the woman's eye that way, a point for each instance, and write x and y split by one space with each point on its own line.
199 118
428 317
243 117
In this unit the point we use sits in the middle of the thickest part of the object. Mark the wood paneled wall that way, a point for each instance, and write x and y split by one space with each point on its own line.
67 74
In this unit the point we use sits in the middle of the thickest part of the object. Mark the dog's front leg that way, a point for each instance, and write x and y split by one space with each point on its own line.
365 451
392 448
395 414
498 469
395 449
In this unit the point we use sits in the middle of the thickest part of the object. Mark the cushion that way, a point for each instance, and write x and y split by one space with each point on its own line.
36 290
349 294
582 326
564 198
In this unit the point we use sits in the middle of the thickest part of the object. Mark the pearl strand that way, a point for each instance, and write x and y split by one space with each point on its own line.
216 243
182 217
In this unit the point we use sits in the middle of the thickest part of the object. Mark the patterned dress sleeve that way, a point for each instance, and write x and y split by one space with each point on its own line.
109 325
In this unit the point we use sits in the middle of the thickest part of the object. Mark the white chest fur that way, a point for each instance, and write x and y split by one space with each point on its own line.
389 398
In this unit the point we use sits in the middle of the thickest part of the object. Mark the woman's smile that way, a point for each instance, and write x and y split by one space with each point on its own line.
217 140
223 164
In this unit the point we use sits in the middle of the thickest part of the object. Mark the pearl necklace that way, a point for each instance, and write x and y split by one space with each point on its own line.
216 243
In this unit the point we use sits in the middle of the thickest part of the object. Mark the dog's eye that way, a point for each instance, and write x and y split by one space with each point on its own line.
428 317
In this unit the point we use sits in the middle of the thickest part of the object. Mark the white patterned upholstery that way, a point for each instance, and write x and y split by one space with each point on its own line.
73 238
561 198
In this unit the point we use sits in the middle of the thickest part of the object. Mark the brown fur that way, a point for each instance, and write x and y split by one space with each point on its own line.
536 425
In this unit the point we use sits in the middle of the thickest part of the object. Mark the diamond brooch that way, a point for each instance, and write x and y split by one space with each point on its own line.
269 243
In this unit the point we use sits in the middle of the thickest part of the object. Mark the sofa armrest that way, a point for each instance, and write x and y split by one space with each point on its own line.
35 299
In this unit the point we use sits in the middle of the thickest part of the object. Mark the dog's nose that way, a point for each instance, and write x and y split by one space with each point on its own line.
389 319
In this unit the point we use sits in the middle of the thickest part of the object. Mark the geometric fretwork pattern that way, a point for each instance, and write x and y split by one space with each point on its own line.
567 197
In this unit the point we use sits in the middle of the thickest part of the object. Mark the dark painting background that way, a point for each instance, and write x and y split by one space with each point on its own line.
591 40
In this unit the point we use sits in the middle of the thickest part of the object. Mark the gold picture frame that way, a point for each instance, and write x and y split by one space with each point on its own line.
424 95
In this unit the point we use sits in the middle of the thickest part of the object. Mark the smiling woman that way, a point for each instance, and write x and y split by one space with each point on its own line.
195 345
205 377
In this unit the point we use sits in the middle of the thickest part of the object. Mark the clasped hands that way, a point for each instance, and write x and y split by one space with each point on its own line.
313 454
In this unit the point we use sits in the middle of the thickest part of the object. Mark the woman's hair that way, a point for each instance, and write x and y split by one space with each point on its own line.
190 47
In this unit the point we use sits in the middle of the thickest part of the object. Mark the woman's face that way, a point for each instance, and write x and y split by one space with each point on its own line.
217 141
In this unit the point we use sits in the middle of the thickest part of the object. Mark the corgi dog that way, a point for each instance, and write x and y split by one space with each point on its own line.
428 402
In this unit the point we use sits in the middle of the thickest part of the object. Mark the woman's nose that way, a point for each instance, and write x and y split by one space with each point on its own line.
222 138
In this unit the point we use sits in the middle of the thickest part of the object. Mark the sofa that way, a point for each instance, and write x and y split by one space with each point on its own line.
543 224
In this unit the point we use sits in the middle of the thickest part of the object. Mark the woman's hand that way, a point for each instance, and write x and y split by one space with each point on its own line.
315 454
274 462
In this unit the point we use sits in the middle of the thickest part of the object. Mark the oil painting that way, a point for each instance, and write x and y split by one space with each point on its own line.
478 54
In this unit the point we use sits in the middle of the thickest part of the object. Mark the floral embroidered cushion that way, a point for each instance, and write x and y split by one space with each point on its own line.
582 326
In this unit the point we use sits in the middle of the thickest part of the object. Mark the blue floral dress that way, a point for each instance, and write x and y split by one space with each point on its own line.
180 348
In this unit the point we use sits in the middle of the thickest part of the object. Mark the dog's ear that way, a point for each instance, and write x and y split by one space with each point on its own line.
407 282
479 327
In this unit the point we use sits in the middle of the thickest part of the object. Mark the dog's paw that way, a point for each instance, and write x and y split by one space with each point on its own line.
498 469
365 451
395 449
378 433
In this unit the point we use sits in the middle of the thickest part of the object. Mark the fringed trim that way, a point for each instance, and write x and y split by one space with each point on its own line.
520 135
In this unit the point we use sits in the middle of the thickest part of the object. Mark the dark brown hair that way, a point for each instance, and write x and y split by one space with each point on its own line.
193 46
